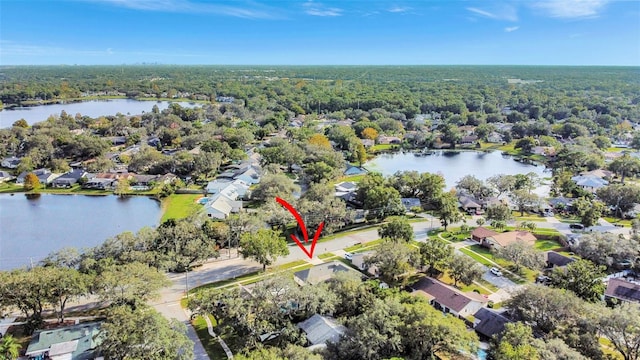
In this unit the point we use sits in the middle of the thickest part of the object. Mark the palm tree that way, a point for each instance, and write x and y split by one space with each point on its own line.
9 348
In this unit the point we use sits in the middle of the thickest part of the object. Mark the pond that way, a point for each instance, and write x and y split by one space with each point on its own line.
93 108
454 165
31 228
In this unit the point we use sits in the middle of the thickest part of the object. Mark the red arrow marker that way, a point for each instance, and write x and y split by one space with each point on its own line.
303 228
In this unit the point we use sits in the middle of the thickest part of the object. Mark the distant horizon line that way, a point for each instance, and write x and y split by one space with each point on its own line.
315 65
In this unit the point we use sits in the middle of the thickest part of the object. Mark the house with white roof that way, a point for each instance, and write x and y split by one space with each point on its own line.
589 182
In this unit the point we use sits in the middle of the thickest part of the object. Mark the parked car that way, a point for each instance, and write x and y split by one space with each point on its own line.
496 271
576 226
542 279
348 256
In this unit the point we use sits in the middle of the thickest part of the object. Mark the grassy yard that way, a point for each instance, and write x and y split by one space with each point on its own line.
444 277
361 247
546 245
476 257
10 188
618 221
326 256
179 206
210 344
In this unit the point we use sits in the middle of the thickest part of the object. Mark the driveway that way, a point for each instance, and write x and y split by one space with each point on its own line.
499 281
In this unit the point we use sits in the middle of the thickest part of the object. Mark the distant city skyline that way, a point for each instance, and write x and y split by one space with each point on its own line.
286 32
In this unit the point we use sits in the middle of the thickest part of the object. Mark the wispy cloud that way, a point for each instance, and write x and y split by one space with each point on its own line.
251 11
511 28
399 9
318 9
503 12
10 48
572 8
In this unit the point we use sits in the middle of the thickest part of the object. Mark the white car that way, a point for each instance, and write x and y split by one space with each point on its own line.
348 256
496 271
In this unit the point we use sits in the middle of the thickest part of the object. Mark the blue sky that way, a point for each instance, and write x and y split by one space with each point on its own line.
519 32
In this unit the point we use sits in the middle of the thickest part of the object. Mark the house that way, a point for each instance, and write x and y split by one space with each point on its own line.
468 140
345 187
355 170
227 187
555 259
100 183
544 150
367 142
469 204
561 203
622 290
358 260
410 203
389 140
77 342
601 173
321 273
509 237
10 162
488 323
69 179
449 299
495 138
320 329
589 182
5 176
44 176
219 206
480 233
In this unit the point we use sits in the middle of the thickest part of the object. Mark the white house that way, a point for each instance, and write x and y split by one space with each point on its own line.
10 162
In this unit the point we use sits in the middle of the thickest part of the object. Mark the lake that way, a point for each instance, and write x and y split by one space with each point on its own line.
30 229
93 108
454 165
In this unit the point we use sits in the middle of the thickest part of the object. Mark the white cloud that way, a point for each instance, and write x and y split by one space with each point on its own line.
317 9
399 9
252 11
511 28
502 12
572 8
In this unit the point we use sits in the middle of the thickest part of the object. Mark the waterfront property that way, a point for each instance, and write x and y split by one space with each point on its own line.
77 342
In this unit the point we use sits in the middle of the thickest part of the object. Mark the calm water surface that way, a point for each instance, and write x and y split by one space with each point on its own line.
92 108
32 228
453 165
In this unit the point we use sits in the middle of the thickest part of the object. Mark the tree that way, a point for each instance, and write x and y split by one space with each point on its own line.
516 343
448 211
320 140
404 327
635 142
621 197
498 212
582 277
526 144
123 188
183 243
521 254
27 290
464 269
264 246
589 211
66 284
500 225
480 221
606 248
370 133
625 165
398 229
436 254
474 187
275 185
274 353
621 325
143 333
9 348
130 284
393 259
31 182
524 200
502 183
361 153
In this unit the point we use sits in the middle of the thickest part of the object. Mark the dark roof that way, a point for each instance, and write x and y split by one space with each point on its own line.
444 295
491 323
623 290
555 259
322 272
74 174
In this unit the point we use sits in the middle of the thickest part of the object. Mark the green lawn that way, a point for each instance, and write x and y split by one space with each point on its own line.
381 147
476 257
10 188
618 221
179 206
326 256
360 247
546 245
210 344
